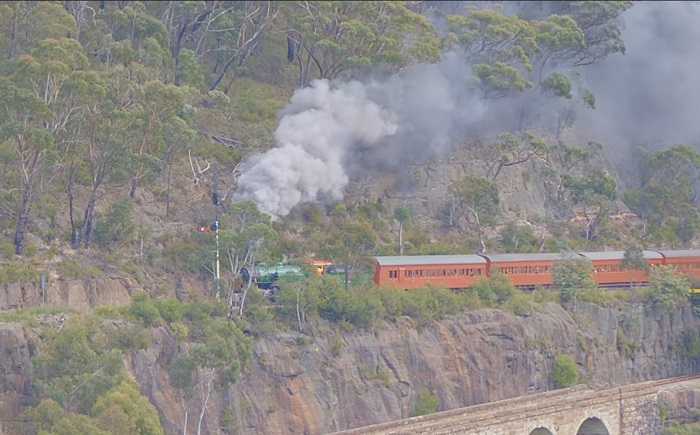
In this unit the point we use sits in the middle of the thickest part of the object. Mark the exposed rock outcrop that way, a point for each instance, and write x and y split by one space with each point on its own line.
334 379
88 293
15 375
337 380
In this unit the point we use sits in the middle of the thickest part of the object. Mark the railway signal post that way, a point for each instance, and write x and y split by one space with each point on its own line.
215 200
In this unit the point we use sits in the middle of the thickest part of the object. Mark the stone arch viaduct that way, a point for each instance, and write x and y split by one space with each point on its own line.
631 409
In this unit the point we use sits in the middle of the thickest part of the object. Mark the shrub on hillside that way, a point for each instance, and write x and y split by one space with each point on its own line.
668 289
564 371
426 404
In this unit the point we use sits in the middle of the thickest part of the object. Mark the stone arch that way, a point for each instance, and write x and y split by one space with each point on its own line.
593 426
541 428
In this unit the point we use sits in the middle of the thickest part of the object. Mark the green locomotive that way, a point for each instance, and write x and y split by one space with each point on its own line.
268 276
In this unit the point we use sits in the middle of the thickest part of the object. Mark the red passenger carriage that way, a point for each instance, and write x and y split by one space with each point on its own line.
608 270
450 271
685 261
524 270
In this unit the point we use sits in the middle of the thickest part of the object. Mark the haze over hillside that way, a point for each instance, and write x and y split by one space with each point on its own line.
646 97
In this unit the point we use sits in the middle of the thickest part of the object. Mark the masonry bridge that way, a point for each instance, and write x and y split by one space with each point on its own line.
631 409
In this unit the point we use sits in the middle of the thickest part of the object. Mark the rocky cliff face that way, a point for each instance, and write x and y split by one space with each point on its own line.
337 380
333 379
108 289
15 375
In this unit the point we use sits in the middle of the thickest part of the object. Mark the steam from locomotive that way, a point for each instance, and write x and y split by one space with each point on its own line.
320 125
328 129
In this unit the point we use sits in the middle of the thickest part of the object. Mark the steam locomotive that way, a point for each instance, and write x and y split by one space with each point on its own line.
267 277
526 271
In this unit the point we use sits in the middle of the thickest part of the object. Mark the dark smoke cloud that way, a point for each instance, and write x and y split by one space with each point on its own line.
650 96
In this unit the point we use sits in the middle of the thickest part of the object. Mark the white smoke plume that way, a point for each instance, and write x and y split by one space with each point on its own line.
328 129
320 125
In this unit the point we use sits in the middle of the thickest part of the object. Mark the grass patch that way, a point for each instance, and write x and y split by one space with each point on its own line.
29 315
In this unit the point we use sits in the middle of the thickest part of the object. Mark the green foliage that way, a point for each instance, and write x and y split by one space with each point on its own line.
223 348
118 226
683 429
690 344
500 80
558 85
426 404
29 315
186 255
15 271
189 71
402 213
509 150
217 346
77 365
634 260
625 346
343 36
521 239
667 180
169 309
298 302
475 195
144 310
423 304
49 417
564 371
571 276
72 269
181 372
520 304
669 289
124 410
377 373
360 307
495 289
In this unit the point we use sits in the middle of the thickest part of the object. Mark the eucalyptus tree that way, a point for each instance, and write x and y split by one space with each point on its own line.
336 37
402 214
593 193
510 149
669 184
348 243
222 34
43 94
476 198
247 237
536 50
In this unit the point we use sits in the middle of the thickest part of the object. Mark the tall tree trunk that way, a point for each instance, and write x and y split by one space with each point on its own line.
134 185
184 409
74 236
400 238
89 219
205 399
23 218
167 196
290 49
482 246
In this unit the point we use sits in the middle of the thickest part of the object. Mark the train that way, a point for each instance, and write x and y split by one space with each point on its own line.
268 277
525 271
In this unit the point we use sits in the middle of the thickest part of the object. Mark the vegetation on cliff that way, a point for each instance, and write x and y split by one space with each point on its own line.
120 120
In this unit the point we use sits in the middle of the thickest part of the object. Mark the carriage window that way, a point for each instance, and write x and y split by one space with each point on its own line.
393 274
